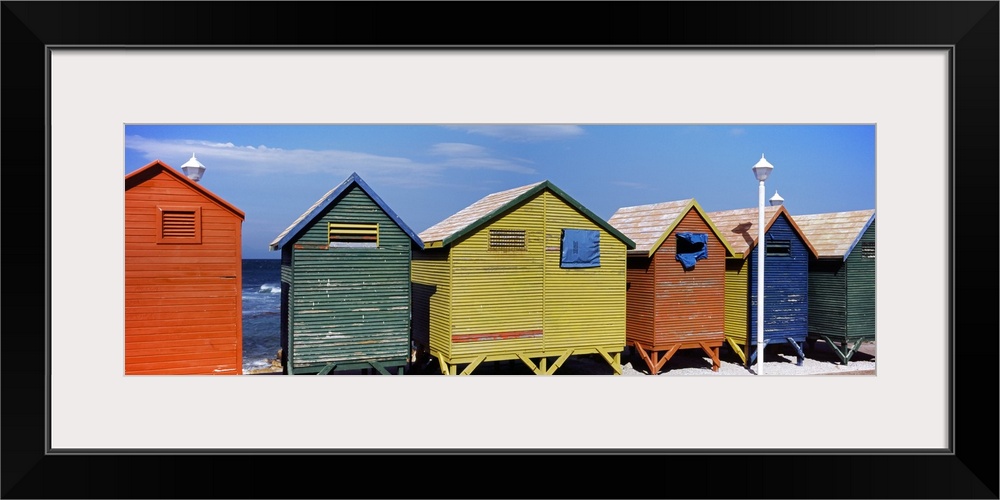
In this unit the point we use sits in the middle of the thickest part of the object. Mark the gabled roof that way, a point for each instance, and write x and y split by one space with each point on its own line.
138 176
472 217
740 227
835 234
332 196
649 225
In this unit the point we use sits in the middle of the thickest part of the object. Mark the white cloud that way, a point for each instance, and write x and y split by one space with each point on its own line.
471 156
264 160
457 149
524 133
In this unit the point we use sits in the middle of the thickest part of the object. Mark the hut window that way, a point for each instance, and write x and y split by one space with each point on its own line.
342 235
178 225
580 248
691 247
778 248
507 239
867 249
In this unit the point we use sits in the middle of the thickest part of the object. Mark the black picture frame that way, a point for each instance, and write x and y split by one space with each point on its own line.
969 28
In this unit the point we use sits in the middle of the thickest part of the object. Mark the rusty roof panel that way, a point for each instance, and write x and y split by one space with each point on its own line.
834 234
645 224
739 226
472 213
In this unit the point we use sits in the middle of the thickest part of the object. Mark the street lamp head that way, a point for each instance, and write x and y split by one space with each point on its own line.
762 169
193 169
776 200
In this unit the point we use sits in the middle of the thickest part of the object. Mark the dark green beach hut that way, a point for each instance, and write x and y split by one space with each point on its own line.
345 285
841 279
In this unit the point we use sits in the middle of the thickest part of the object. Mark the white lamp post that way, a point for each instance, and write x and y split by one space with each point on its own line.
761 170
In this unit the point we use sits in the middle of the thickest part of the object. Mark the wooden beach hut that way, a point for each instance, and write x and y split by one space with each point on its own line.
524 274
183 276
786 280
841 279
345 284
676 281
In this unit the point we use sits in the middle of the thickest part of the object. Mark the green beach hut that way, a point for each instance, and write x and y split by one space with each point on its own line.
841 279
345 284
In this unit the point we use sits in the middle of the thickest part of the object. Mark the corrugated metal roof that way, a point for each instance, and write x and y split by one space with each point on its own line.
835 234
492 205
739 226
649 225
473 213
132 179
332 195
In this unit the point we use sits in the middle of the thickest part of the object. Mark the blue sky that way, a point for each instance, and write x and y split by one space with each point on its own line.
426 173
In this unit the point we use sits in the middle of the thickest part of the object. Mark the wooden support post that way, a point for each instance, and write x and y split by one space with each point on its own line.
615 362
645 357
739 350
559 362
527 361
843 357
472 366
760 349
327 369
378 366
542 366
713 353
798 351
443 365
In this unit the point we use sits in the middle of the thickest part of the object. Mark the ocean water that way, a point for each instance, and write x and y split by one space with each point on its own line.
261 312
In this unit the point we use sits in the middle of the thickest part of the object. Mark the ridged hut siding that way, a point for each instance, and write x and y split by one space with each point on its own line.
861 283
640 305
786 288
670 306
690 303
786 279
827 294
346 307
431 291
499 291
842 279
737 303
583 307
478 302
183 297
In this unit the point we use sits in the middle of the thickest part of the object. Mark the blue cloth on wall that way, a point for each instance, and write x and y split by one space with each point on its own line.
581 248
695 246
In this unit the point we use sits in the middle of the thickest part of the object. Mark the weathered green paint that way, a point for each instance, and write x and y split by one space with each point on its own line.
842 294
347 306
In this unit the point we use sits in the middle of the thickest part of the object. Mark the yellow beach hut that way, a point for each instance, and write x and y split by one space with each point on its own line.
524 274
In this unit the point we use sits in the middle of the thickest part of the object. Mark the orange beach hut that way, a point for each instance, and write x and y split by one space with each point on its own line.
676 281
183 276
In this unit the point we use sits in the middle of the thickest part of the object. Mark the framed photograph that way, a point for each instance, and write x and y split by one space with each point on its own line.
923 74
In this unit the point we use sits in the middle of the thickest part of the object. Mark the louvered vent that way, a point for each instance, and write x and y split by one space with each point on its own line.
179 224
352 235
507 239
868 249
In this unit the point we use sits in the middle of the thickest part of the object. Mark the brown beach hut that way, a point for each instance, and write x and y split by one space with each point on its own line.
183 276
676 281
